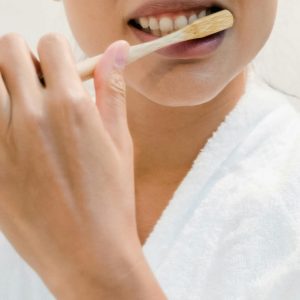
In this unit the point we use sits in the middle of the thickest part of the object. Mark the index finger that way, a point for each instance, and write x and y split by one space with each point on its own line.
18 67
58 63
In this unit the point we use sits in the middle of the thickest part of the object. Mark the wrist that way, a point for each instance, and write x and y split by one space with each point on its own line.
132 279
139 283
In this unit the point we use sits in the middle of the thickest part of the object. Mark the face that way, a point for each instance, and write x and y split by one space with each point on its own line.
173 79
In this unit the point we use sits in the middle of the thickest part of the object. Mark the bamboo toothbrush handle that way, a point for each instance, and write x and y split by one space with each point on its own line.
200 28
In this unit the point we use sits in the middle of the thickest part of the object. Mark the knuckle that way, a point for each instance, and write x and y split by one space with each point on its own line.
34 118
11 37
83 110
70 96
12 40
71 101
12 47
50 39
117 85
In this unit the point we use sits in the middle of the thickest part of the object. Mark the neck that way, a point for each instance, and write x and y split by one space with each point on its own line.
168 139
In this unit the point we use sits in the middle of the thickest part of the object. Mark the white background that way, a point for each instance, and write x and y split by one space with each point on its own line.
279 62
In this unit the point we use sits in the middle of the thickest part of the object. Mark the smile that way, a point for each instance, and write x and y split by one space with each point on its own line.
156 18
165 23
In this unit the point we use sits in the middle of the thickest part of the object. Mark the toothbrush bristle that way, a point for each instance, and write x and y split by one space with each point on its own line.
218 22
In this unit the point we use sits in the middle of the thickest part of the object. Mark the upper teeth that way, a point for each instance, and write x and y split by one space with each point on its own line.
164 25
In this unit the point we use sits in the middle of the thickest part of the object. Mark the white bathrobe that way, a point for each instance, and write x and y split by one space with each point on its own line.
232 228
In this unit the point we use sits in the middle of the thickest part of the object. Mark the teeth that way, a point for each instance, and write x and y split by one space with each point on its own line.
192 18
180 22
153 23
202 14
165 25
144 22
156 32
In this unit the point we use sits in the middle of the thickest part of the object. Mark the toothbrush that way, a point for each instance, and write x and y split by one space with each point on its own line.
200 28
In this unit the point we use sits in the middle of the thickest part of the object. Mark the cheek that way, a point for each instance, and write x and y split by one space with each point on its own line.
255 26
94 26
195 84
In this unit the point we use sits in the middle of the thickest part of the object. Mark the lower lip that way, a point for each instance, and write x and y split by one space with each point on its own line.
198 48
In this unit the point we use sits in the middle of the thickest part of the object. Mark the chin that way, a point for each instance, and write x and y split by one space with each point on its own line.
177 94
175 100
175 85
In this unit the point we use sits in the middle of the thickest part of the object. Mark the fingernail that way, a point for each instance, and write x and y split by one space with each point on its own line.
121 55
114 59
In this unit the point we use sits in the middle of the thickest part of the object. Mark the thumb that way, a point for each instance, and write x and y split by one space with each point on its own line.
110 89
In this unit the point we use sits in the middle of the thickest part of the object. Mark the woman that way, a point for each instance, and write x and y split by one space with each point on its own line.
85 189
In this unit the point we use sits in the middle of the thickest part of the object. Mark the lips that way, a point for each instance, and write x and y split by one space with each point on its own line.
157 7
141 22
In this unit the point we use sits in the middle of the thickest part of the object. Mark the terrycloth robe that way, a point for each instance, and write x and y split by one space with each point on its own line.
232 228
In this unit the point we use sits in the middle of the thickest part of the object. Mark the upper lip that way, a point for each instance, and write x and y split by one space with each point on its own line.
155 7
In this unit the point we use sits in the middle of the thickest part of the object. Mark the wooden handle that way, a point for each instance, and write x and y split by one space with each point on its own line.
86 68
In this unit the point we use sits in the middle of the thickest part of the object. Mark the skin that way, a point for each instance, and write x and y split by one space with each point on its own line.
70 189
67 172
174 105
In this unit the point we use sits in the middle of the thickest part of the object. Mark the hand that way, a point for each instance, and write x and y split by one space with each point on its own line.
66 165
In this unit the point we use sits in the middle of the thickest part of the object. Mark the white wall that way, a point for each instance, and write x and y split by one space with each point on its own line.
32 18
279 62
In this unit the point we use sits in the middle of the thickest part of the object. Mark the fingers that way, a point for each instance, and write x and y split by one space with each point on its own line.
110 90
64 87
58 63
17 67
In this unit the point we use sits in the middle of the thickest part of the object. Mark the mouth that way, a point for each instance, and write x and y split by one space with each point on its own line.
158 21
162 17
